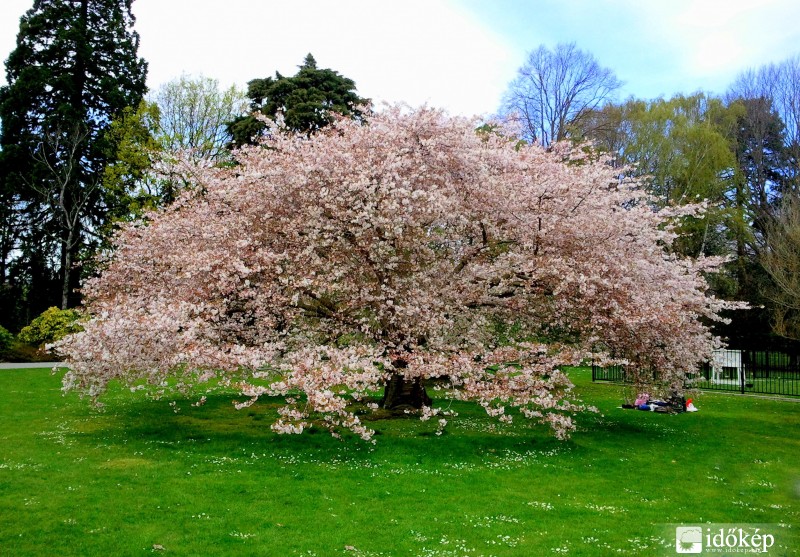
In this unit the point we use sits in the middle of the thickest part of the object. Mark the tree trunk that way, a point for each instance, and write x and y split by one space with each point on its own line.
401 393
66 259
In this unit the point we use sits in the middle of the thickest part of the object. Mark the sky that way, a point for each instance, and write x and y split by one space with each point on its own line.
458 55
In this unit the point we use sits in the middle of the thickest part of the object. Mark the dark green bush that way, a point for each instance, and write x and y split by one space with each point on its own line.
6 339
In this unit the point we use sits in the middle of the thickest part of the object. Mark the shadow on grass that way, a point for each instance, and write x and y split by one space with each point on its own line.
217 429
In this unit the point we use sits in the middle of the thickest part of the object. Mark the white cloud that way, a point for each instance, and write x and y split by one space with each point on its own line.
708 42
415 51
458 54
10 12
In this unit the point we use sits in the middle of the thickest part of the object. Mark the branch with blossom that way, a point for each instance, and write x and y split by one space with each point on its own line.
367 252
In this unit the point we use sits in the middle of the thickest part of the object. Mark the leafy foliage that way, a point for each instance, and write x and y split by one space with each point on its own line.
6 338
52 325
681 149
194 114
739 154
307 101
130 181
74 68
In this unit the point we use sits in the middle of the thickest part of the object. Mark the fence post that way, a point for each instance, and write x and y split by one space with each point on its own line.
742 376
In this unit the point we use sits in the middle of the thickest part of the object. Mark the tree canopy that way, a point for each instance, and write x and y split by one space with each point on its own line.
379 256
307 101
185 117
194 114
75 67
681 148
555 90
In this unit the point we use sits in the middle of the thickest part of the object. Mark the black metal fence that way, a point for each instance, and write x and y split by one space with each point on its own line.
739 371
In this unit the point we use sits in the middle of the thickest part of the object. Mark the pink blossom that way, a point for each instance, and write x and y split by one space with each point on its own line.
317 263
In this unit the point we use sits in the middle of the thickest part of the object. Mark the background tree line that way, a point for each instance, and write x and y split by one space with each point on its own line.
740 151
85 147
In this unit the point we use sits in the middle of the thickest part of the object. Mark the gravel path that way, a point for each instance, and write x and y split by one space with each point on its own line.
28 365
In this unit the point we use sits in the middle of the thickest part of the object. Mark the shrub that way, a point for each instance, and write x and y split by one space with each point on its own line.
6 339
52 325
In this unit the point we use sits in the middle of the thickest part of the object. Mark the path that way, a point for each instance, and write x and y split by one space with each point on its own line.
28 365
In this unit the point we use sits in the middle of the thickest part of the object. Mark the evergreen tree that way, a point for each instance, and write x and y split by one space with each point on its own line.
762 171
75 67
306 101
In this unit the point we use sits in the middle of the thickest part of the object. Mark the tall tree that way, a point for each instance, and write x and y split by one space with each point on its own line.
766 158
761 153
306 100
781 259
682 150
194 114
761 158
556 89
378 256
75 67
778 84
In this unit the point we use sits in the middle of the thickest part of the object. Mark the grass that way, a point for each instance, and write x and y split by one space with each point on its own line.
140 478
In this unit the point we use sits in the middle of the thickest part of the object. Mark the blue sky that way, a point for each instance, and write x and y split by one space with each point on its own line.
656 47
456 54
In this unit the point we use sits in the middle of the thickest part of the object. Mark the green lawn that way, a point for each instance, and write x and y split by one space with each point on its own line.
211 480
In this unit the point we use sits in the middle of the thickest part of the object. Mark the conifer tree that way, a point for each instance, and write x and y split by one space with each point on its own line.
307 101
75 67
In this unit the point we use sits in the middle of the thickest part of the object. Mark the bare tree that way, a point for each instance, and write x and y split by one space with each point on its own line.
788 101
555 90
787 96
65 195
781 259
780 85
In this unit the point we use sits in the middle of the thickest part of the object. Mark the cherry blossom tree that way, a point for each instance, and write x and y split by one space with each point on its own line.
376 257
